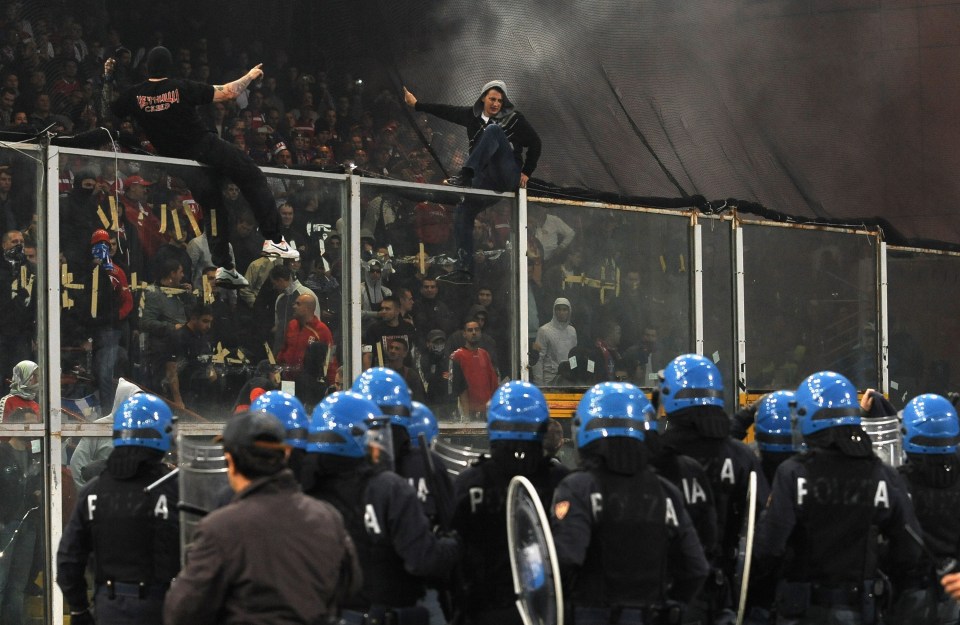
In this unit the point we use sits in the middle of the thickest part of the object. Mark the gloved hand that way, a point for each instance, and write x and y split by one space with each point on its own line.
82 618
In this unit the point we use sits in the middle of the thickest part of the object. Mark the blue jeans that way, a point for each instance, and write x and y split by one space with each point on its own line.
106 346
495 168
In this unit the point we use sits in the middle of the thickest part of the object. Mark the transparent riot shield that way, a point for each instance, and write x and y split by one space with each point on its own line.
533 559
379 442
884 433
203 484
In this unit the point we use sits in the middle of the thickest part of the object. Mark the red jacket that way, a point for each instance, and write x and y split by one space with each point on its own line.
297 338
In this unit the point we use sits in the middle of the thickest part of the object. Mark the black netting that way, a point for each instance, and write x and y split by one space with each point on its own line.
838 112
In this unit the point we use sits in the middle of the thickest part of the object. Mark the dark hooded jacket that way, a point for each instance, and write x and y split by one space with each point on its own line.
518 130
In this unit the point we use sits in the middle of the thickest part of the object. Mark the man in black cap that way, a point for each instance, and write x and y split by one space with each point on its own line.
270 527
166 110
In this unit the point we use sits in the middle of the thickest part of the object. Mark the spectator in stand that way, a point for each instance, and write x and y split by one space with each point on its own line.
373 292
188 374
554 341
430 313
66 83
458 339
246 241
289 289
396 357
44 117
472 376
305 334
106 315
286 223
139 215
164 311
552 232
597 362
405 296
18 314
376 338
8 98
15 209
433 366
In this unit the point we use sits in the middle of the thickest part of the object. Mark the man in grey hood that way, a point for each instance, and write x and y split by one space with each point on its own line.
498 135
90 456
555 339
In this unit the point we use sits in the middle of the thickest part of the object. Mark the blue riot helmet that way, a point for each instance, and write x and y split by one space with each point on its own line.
773 428
422 421
690 380
340 423
930 426
826 400
517 412
143 420
612 409
388 390
289 410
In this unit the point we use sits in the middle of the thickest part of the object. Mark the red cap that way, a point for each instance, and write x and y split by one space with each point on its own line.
100 236
136 180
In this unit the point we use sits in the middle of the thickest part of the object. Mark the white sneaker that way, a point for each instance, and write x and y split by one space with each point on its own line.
230 279
281 249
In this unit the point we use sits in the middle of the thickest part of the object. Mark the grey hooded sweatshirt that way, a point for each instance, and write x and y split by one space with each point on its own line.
556 339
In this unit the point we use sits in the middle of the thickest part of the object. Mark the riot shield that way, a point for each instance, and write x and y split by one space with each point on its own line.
533 559
379 443
203 484
745 549
884 433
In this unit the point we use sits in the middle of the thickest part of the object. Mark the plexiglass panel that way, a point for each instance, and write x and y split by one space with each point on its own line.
452 334
22 454
924 316
719 343
810 305
625 277
158 318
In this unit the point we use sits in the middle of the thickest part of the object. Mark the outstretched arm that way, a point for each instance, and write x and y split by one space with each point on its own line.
231 90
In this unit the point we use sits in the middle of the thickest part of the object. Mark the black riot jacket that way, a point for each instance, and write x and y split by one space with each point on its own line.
134 535
392 535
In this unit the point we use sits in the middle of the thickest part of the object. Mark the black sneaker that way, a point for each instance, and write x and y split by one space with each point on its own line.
460 180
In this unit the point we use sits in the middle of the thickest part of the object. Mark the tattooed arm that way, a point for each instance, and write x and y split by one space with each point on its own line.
233 89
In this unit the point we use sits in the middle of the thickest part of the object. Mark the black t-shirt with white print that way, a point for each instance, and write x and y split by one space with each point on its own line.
167 111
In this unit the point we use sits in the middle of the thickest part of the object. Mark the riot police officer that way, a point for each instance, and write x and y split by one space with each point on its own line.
691 394
132 531
773 430
291 413
626 546
389 391
828 507
396 547
516 423
930 436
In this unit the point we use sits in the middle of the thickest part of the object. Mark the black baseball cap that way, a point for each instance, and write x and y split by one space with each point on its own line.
251 430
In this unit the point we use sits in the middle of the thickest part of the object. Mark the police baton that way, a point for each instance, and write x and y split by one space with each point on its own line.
163 479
